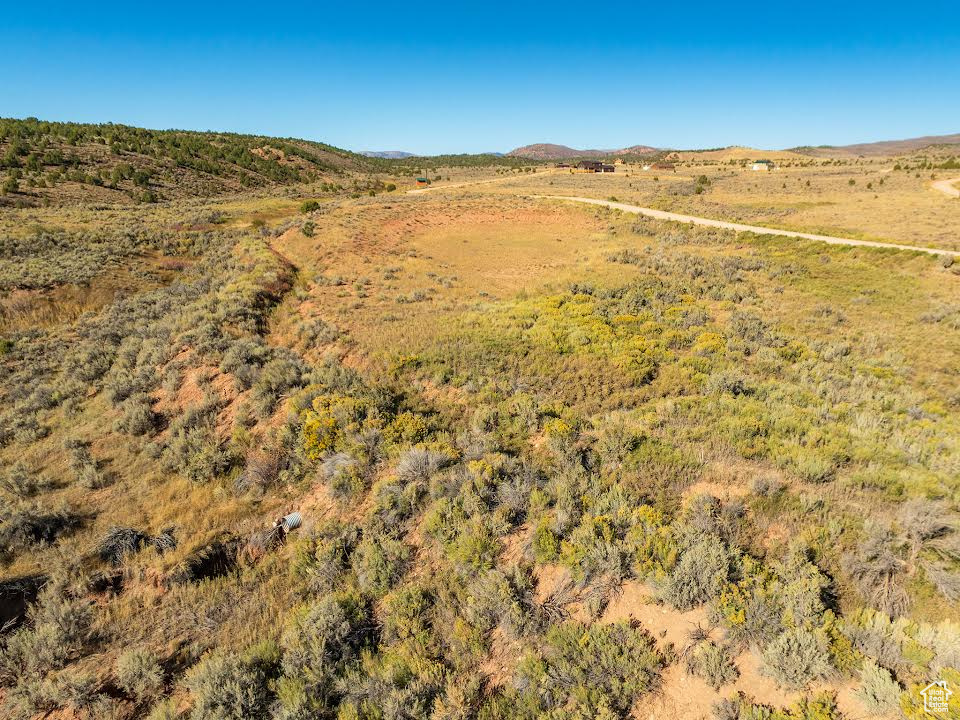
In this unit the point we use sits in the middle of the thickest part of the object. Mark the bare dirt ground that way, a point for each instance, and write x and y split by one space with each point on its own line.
947 187
681 695
738 227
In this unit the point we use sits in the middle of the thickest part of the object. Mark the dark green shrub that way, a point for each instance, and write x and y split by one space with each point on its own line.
546 544
476 546
323 560
407 614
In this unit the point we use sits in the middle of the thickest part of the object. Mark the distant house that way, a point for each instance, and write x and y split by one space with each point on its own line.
594 166
664 166
423 181
763 165
562 165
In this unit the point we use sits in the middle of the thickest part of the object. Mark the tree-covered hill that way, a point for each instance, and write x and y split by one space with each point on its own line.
52 161
61 162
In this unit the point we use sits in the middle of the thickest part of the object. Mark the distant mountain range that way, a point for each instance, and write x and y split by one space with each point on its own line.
386 154
549 151
400 154
882 148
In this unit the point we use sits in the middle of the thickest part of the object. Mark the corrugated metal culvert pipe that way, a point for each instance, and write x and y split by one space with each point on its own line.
292 521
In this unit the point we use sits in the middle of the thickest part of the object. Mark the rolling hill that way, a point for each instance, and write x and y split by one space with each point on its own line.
882 148
548 151
52 161
387 154
67 163
734 152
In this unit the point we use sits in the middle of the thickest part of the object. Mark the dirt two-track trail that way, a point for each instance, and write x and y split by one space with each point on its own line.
739 227
947 187
944 186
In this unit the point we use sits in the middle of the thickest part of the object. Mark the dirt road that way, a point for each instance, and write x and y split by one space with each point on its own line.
947 187
738 227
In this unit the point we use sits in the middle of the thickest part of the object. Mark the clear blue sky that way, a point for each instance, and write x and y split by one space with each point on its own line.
434 77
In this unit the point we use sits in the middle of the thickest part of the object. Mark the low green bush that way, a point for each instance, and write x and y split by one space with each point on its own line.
700 574
320 640
797 658
588 671
226 686
878 691
139 674
713 663
378 563
60 628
